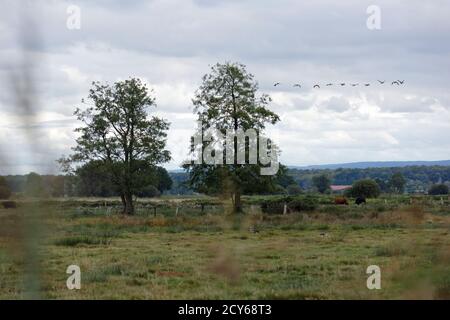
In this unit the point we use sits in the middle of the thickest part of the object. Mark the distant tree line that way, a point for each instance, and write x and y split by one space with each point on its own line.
90 180
410 179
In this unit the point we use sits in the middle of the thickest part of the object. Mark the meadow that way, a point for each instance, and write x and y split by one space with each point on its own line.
200 251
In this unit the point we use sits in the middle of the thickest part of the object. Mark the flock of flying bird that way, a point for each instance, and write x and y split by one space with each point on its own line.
317 86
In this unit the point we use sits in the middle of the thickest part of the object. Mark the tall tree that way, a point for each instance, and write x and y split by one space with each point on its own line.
321 182
397 182
228 100
119 133
35 186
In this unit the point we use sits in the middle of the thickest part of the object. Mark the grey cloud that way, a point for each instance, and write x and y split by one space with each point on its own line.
336 104
170 43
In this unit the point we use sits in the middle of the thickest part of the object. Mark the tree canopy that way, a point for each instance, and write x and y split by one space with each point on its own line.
118 133
366 188
438 189
321 182
228 100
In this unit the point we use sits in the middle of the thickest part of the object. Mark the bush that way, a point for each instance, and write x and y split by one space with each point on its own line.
366 188
5 193
34 186
86 240
321 182
438 189
307 203
297 204
294 190
149 191
273 206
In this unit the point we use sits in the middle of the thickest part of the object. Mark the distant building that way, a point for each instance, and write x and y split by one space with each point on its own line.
339 188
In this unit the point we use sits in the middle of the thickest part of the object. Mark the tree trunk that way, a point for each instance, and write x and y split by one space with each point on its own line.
237 208
128 206
124 203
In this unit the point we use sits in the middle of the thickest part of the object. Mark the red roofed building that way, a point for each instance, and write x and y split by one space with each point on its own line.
339 188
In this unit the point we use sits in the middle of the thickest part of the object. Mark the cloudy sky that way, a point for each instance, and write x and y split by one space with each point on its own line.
171 44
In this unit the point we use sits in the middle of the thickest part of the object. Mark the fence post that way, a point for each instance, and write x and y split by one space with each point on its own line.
176 212
285 208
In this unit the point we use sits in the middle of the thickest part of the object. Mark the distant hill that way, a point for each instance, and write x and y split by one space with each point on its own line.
374 164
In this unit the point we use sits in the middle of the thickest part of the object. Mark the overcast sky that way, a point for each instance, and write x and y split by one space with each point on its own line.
170 44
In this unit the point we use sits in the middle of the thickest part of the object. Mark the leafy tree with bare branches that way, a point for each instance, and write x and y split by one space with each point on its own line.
119 133
228 100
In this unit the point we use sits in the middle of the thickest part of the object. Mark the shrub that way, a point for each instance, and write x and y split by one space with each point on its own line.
273 206
307 203
34 186
77 240
321 182
294 190
438 189
366 188
276 206
149 191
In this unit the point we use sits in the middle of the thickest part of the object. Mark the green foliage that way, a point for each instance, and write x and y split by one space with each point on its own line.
438 189
418 178
227 100
366 188
294 190
274 206
149 191
94 180
119 134
307 203
35 186
164 181
321 182
5 191
295 204
397 182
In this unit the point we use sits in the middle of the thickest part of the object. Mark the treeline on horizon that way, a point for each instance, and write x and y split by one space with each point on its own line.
91 182
418 178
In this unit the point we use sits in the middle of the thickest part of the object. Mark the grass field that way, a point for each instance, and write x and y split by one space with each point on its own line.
213 255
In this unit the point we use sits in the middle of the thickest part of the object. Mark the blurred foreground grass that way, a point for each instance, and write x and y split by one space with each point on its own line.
316 255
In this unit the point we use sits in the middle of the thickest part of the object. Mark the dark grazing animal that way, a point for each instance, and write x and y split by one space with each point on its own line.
360 200
341 201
